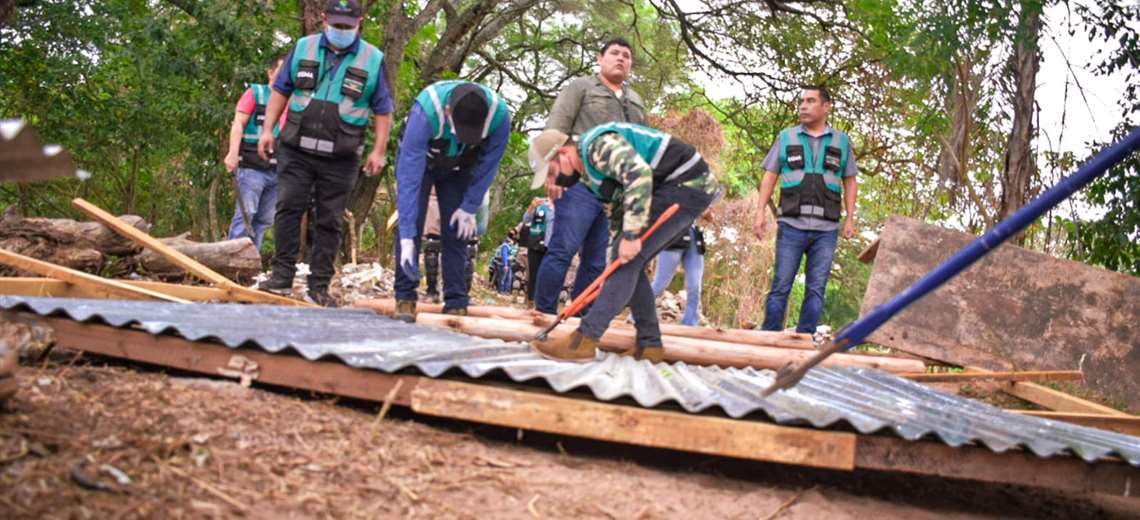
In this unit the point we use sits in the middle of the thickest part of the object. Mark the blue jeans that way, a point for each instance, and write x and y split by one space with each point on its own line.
694 263
258 190
449 190
580 226
791 246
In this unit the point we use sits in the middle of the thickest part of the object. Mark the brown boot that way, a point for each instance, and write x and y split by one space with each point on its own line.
568 347
457 311
405 311
651 353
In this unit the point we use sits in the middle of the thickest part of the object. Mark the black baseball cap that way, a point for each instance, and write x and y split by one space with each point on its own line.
468 112
345 12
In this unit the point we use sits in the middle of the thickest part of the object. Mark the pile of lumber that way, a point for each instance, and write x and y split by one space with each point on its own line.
693 345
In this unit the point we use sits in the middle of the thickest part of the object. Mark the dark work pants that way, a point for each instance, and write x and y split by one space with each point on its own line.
304 179
449 190
629 286
533 262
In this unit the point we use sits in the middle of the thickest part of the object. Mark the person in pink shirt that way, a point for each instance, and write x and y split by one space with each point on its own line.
256 177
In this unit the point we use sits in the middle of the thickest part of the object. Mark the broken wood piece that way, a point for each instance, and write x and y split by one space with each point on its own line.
743 336
48 287
688 350
235 291
1127 424
868 255
233 259
1037 375
111 288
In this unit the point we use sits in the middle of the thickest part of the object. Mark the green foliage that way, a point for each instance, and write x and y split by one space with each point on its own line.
1113 240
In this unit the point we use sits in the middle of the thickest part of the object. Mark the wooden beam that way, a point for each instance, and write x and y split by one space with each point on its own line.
636 426
111 288
208 358
881 453
1127 424
688 350
47 287
1064 473
965 377
1056 400
235 291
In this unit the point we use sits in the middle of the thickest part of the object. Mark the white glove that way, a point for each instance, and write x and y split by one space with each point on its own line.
464 224
408 262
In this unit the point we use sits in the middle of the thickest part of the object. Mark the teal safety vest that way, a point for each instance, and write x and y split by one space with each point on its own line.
252 132
811 184
444 150
649 143
672 160
329 113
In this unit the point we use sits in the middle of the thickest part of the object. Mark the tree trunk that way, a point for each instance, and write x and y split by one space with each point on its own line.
1019 164
236 259
310 11
212 208
77 245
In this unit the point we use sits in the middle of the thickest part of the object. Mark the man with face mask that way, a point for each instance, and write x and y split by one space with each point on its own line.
454 138
335 86
581 224
256 178
815 167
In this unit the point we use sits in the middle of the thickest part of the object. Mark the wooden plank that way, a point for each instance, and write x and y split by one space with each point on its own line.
1127 424
1014 310
1056 400
1021 468
208 358
881 453
111 288
47 287
235 291
963 377
637 426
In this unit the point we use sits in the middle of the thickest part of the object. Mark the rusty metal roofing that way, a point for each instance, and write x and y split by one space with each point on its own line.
868 400
24 158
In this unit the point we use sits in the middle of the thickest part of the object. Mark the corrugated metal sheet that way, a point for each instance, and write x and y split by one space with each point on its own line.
868 400
24 158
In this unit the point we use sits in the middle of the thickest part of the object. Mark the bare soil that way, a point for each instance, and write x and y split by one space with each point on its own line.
89 437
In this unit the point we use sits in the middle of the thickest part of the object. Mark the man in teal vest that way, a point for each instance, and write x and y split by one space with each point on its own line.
815 167
644 171
335 87
455 136
256 181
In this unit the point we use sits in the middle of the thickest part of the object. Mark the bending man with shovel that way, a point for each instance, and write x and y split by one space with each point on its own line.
644 172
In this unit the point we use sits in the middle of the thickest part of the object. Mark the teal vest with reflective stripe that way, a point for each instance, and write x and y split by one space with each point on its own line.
649 143
433 99
329 88
791 177
252 130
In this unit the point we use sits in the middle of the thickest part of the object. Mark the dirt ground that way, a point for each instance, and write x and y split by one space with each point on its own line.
89 437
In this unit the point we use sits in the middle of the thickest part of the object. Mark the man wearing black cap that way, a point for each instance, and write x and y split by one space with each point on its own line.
335 86
455 135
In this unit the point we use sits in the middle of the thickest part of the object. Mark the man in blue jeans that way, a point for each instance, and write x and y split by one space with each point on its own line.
689 250
816 169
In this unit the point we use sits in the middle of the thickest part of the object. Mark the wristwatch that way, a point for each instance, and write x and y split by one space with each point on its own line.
629 235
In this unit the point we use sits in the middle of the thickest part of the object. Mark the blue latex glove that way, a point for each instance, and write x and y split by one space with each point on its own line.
408 262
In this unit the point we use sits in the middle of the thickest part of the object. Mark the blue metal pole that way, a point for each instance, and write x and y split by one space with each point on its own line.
858 330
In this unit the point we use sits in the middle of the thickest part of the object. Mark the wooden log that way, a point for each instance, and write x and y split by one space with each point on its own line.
47 287
111 288
234 259
688 350
1039 375
65 233
742 336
